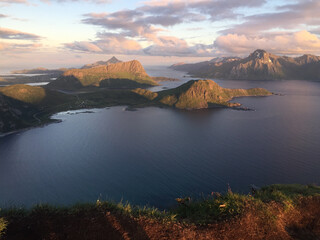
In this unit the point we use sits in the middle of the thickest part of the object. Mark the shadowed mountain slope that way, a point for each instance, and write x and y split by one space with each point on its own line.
15 114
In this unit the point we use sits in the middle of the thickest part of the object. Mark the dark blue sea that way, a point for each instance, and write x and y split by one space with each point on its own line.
153 155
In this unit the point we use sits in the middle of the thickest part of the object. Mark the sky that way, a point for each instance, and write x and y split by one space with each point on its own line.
69 33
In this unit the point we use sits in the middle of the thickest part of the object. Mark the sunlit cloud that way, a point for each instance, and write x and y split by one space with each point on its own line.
289 17
22 48
108 44
51 1
176 28
282 43
90 1
6 33
14 1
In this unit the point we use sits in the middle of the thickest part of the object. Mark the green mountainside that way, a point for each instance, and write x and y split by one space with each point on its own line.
23 106
15 115
259 65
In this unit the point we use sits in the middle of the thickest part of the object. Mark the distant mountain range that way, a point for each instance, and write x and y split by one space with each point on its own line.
259 65
60 71
40 70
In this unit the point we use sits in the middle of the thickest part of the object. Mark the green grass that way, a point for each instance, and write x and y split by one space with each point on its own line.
218 207
83 209
286 194
213 208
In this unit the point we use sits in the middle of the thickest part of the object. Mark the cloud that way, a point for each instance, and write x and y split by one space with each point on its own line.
13 47
92 1
14 1
59 1
172 46
107 44
186 8
147 23
6 33
288 17
3 16
300 42
9 46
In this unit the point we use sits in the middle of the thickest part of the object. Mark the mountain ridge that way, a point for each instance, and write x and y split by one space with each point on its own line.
259 65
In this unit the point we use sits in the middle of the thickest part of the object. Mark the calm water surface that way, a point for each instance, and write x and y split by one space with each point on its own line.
152 156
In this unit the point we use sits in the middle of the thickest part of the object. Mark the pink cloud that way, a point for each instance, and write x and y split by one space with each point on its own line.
108 43
284 43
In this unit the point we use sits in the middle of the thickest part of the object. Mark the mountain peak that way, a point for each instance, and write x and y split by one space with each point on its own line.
259 53
114 60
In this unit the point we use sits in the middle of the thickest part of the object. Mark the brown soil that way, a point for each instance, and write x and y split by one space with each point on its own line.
302 222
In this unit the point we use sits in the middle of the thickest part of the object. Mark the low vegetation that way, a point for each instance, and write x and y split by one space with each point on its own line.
262 215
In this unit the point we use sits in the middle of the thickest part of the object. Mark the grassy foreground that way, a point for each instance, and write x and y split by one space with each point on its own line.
273 212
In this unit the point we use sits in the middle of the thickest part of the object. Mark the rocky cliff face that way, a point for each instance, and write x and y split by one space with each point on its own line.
259 65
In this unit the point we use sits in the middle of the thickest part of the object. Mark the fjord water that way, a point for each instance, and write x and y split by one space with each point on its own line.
153 155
